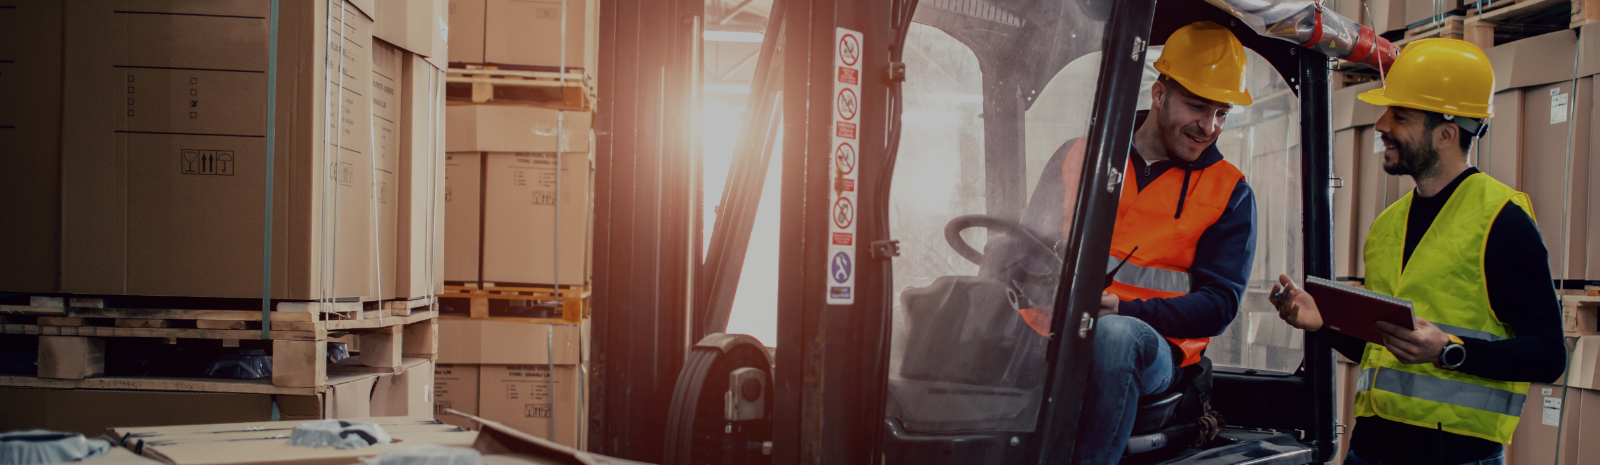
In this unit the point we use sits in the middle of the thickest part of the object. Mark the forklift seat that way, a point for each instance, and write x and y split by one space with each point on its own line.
1172 417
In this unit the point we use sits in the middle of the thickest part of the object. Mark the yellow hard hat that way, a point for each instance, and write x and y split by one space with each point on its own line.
1208 60
1447 76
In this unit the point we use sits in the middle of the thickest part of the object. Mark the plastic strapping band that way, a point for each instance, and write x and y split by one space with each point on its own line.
266 236
550 364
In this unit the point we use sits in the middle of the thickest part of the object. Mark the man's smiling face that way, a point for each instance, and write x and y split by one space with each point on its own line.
1188 123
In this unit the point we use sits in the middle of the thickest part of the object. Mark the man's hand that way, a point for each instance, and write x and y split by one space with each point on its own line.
1414 347
1108 304
1295 306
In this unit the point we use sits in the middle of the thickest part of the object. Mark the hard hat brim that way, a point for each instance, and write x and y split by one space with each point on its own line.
1377 97
1207 92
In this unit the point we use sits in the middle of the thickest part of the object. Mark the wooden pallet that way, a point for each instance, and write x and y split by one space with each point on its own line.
1449 27
72 342
1521 19
573 301
546 89
1580 315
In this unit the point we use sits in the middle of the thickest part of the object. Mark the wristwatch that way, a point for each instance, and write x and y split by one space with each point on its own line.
1454 354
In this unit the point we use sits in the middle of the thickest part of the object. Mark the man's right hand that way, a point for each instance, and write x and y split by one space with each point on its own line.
1295 306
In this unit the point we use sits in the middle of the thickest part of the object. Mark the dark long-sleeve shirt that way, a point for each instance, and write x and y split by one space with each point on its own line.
1521 294
1222 260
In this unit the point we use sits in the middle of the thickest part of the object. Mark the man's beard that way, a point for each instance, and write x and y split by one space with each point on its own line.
1414 161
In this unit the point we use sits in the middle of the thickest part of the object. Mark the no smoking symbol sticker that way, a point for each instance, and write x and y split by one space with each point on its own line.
845 157
844 213
846 104
849 49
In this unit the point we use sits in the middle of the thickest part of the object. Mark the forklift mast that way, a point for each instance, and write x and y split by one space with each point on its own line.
890 351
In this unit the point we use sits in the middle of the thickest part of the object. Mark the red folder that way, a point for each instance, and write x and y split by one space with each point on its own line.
1354 311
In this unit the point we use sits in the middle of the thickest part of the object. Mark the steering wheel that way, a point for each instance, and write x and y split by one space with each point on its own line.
952 234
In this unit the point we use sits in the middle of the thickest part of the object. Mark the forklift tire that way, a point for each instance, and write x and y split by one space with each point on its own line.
709 423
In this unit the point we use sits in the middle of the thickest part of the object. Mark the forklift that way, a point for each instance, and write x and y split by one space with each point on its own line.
898 337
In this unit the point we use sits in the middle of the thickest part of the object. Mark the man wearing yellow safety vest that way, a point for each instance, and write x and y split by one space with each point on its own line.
1191 217
1464 249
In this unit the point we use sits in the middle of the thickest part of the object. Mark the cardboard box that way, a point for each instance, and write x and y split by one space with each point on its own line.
422 182
163 149
30 135
1417 11
507 342
1350 111
1373 193
463 213
387 91
536 223
267 442
418 26
1533 61
1387 15
526 33
499 442
506 128
1555 138
1591 243
455 387
532 399
1583 363
408 394
90 412
1555 414
466 30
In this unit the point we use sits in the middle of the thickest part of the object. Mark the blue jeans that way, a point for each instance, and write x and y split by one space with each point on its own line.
1352 459
1130 360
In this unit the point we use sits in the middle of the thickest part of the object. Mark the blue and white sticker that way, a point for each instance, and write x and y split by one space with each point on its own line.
847 60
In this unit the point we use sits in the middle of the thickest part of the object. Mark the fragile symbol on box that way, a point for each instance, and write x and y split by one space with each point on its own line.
544 198
536 410
439 407
206 162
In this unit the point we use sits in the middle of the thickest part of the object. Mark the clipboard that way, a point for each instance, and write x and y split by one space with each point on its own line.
1354 311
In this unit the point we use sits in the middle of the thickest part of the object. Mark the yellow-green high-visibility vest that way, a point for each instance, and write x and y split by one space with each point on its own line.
1445 282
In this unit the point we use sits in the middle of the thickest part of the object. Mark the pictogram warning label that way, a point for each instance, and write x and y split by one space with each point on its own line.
849 47
846 161
847 103
840 267
844 157
206 162
844 213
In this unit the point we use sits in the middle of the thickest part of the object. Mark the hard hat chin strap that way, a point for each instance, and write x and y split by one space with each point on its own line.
1476 127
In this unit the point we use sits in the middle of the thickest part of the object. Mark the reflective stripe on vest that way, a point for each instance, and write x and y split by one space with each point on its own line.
1444 280
1442 390
1151 278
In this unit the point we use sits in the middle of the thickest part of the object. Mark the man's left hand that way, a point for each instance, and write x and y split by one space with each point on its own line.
1108 304
1414 347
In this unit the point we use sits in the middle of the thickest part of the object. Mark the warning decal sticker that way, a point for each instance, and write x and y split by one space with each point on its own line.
846 122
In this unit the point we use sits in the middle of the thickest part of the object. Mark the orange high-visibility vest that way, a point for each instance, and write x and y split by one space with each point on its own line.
1166 237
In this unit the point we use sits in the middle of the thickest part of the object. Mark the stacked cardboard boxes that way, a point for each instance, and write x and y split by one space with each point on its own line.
1538 142
525 375
144 163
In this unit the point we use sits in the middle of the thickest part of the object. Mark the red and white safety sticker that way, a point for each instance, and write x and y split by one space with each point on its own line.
847 58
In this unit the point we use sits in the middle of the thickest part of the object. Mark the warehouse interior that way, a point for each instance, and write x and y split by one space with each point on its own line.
704 231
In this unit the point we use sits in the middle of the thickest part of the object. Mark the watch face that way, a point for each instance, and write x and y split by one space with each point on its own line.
1454 354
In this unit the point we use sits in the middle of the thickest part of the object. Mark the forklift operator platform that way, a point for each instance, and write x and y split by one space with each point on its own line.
955 166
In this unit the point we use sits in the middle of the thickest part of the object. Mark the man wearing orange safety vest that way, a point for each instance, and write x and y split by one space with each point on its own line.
1192 217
